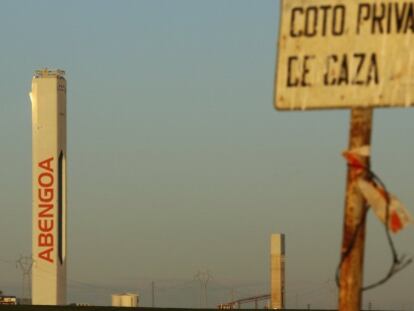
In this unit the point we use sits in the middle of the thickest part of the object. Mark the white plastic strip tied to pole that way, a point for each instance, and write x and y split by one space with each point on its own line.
377 197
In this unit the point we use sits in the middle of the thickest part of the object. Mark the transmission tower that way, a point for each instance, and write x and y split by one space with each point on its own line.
25 264
203 277
153 294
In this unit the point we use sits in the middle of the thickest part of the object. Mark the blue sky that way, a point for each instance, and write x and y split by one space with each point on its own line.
177 161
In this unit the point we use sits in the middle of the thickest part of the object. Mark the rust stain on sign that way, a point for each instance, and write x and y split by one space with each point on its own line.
345 54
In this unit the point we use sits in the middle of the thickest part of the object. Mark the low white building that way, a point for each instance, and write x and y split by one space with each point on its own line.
125 300
8 300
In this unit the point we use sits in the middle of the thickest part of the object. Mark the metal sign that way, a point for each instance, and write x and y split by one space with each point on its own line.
345 54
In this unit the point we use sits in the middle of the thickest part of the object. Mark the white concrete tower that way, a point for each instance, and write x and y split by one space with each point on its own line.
48 98
277 271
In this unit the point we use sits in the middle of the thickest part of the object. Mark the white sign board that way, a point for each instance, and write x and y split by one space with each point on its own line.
345 54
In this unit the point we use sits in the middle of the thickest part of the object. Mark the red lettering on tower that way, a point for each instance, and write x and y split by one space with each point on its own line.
46 213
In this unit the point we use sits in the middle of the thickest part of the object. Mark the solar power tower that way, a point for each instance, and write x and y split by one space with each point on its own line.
48 97
277 271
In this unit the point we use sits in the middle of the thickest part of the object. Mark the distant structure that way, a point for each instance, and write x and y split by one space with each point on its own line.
25 264
203 277
236 304
277 271
8 300
277 279
48 97
125 300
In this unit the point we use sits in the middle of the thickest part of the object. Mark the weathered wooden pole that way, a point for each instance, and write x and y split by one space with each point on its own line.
351 273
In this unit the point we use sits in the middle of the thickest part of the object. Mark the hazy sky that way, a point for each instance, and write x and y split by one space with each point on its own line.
177 161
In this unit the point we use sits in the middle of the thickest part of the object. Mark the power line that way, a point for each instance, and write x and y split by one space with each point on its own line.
7 261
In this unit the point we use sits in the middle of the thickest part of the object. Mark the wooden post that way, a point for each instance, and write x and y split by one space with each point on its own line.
350 281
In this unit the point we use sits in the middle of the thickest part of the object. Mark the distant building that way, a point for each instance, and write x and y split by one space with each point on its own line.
125 300
77 304
8 300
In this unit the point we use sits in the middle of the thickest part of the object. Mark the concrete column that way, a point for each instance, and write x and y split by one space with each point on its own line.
277 271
